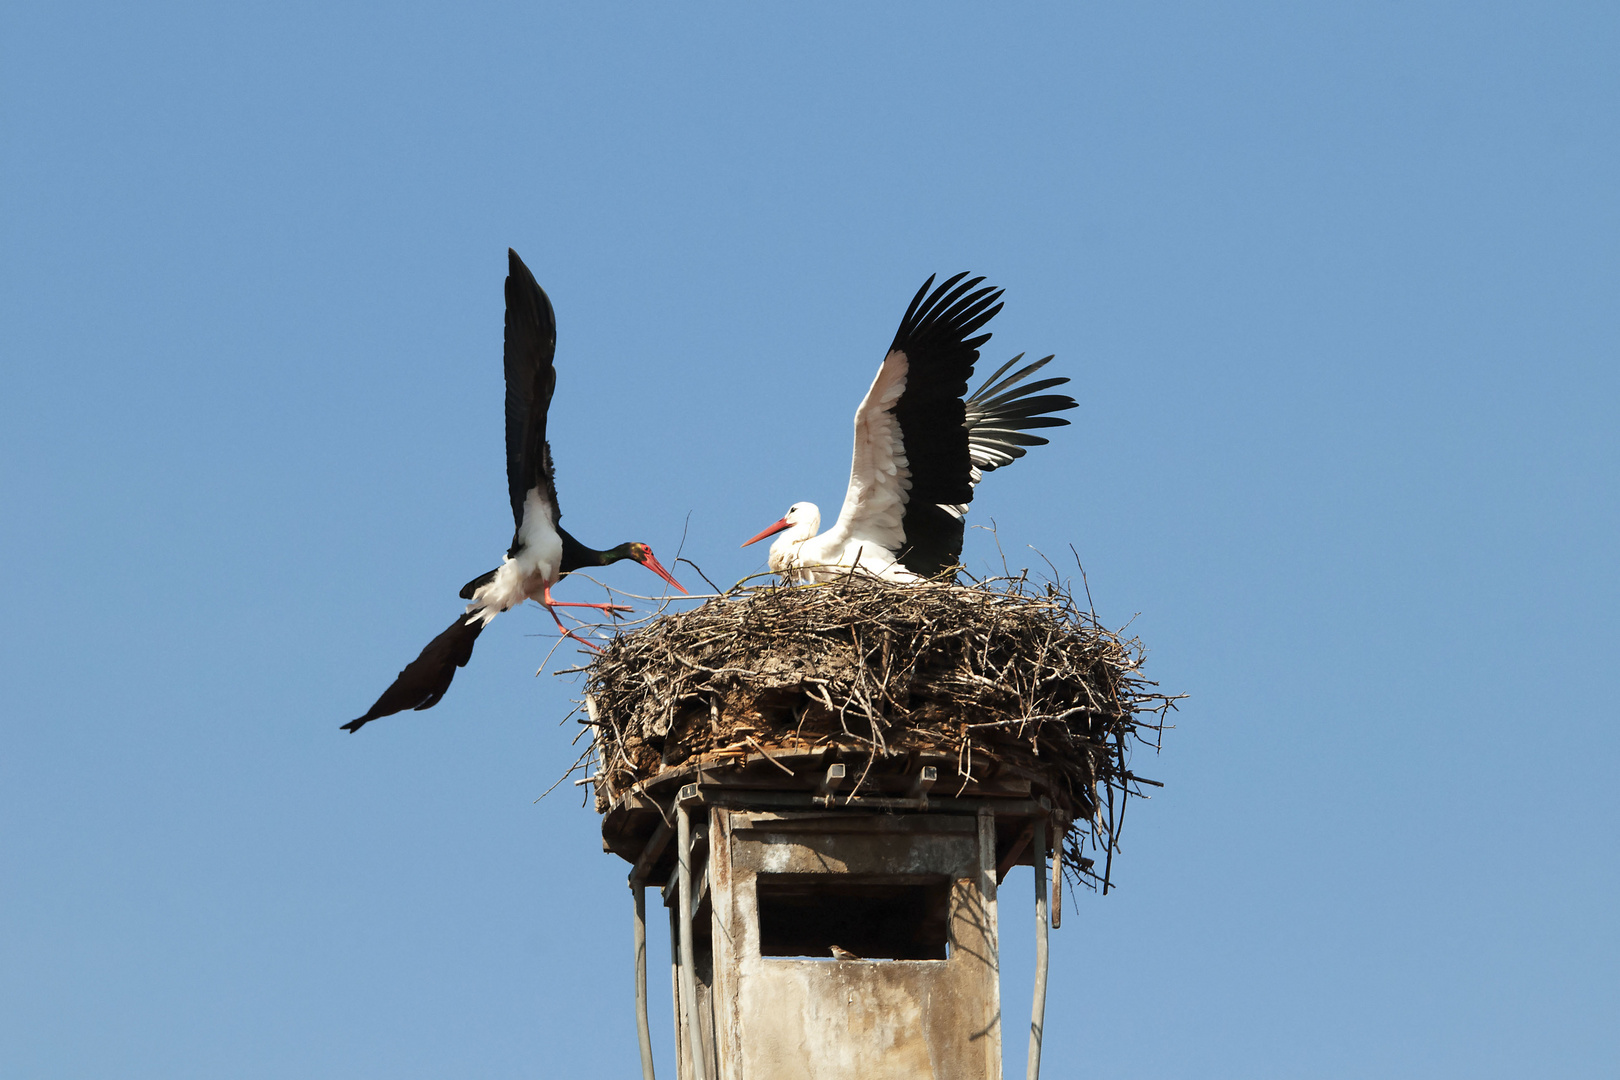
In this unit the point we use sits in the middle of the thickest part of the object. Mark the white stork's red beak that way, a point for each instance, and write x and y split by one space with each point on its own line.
781 523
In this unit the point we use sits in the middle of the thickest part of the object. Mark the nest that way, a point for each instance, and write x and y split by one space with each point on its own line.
1007 673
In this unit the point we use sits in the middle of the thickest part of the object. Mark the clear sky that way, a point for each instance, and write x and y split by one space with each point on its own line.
1337 288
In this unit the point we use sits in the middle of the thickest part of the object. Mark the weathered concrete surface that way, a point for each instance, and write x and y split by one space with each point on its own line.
795 1018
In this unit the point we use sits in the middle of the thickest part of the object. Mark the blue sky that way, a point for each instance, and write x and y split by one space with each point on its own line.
1336 286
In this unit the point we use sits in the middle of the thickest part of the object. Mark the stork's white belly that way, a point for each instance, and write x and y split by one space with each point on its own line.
535 568
806 561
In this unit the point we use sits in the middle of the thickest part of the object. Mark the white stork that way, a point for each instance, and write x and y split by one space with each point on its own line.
542 551
920 448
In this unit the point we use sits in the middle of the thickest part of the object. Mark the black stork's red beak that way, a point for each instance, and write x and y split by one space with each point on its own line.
651 562
781 523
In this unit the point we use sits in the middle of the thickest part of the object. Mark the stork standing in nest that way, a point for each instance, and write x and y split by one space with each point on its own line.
542 551
921 446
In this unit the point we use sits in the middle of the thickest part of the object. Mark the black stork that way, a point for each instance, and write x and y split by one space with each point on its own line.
921 446
542 551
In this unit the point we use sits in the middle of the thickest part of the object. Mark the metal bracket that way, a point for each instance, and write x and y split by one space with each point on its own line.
925 780
830 784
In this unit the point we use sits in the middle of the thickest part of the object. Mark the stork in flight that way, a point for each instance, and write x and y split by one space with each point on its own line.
920 448
542 551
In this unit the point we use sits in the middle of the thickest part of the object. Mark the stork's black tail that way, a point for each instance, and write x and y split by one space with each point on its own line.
425 679
477 583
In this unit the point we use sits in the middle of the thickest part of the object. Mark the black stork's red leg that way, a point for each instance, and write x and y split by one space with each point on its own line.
550 603
599 607
565 631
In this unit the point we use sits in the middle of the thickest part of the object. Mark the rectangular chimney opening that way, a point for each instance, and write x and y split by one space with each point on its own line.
808 914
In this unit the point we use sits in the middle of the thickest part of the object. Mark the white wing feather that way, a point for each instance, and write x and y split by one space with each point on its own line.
879 474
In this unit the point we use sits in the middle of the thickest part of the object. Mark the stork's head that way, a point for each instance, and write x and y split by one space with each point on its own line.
804 518
643 554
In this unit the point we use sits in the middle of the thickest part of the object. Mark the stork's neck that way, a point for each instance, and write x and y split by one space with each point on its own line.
784 550
576 555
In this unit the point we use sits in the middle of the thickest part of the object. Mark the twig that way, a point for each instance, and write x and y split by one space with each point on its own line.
756 745
700 572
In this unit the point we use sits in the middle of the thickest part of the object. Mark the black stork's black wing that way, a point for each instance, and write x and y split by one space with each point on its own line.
531 345
937 337
425 679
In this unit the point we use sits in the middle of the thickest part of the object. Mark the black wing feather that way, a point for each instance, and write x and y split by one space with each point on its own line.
949 441
934 539
531 345
1000 412
424 680
938 337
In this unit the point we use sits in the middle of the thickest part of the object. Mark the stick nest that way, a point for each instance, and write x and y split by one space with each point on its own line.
1007 672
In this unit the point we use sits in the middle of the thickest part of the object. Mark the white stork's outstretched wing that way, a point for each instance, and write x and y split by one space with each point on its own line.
911 440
